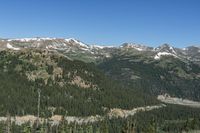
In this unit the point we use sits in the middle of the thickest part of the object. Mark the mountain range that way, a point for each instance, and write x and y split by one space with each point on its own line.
79 81
75 47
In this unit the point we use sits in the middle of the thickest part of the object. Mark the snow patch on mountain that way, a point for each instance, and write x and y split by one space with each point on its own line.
9 46
97 46
31 39
184 49
172 49
137 47
160 54
77 42
100 47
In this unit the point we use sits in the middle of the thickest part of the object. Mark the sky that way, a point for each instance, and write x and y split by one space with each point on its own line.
104 22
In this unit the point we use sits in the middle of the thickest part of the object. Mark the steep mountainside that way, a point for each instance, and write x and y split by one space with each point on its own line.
164 69
166 75
66 86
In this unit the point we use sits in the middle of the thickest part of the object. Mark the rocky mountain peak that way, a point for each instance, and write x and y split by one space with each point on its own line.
166 48
135 46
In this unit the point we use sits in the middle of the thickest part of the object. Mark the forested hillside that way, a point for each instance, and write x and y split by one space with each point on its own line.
97 95
167 75
69 87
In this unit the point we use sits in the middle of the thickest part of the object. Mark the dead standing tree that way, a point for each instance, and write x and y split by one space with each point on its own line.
38 108
8 123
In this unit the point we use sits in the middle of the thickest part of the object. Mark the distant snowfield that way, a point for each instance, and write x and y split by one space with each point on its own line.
31 39
178 101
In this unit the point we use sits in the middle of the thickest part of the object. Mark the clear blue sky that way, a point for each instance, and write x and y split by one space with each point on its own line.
150 22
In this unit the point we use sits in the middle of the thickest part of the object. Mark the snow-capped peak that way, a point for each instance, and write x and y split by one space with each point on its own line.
137 47
166 48
77 42
172 49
